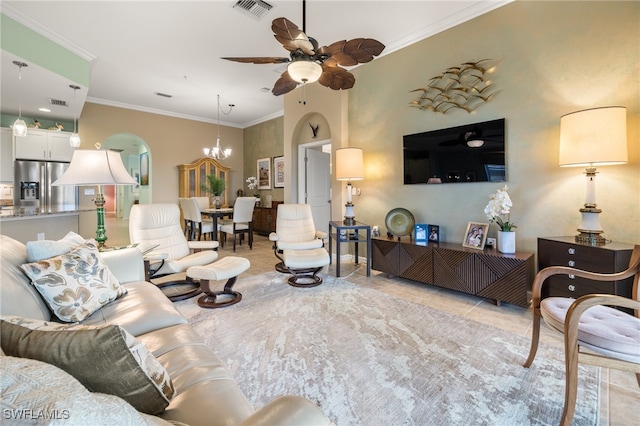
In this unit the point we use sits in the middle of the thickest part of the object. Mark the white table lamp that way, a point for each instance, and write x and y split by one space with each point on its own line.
349 166
590 138
91 167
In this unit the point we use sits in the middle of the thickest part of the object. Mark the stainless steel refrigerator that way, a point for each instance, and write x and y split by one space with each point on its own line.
32 186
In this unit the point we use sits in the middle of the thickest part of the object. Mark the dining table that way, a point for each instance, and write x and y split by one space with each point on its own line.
215 214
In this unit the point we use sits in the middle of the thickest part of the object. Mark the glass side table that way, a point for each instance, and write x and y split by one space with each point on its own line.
356 234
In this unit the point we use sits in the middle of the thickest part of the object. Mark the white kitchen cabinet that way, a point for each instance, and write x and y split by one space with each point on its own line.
6 155
44 145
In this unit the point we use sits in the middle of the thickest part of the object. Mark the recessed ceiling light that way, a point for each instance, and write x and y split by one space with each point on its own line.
44 109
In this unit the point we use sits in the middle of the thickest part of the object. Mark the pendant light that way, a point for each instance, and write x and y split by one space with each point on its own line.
216 152
19 126
74 139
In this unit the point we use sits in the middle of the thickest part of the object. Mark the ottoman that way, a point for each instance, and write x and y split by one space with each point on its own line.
228 268
304 266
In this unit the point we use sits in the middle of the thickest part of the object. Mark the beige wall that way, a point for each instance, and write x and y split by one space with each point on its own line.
327 107
553 58
171 141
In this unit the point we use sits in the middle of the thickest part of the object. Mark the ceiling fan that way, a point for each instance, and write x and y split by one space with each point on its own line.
309 63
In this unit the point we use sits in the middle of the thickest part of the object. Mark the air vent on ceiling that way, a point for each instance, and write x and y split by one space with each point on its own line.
58 102
164 95
254 8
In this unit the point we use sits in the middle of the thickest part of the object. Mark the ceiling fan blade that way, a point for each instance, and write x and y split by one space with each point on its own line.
285 84
353 52
291 37
336 78
260 60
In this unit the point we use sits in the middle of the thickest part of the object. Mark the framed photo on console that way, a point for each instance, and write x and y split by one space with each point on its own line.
434 233
476 235
421 230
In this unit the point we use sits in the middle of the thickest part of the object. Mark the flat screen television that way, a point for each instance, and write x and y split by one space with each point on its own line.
470 153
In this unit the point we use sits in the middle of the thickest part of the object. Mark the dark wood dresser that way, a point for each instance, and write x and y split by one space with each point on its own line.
564 251
264 218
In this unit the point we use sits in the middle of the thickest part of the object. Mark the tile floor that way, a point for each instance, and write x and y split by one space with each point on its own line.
620 393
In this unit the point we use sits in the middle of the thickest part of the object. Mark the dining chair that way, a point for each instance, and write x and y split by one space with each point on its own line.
203 202
242 222
185 207
202 226
611 337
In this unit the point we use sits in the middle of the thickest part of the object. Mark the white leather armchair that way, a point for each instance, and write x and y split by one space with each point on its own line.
295 230
159 225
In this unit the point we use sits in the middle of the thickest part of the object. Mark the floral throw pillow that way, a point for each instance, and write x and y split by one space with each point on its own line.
76 284
104 358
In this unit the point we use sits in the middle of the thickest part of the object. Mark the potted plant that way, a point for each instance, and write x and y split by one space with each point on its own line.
499 210
215 187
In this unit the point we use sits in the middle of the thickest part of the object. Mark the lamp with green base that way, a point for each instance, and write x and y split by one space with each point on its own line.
96 167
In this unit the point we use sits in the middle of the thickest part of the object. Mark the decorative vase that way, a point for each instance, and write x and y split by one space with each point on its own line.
507 242
216 202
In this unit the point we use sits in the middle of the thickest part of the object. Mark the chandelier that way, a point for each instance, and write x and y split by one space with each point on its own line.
216 152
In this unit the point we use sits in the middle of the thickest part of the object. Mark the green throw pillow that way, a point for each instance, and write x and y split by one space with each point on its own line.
76 284
105 358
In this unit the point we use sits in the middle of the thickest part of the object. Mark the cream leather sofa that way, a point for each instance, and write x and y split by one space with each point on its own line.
205 393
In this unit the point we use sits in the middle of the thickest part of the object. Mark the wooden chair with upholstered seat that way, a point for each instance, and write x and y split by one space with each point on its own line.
610 336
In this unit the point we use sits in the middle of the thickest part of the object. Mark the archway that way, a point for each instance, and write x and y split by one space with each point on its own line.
311 166
137 158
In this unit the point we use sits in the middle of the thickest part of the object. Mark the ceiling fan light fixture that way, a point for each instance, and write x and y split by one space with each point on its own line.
304 71
475 143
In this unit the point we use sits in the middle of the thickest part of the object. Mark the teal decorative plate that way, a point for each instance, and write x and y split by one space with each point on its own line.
400 222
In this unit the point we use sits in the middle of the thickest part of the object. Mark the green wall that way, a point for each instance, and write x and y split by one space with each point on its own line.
35 48
263 140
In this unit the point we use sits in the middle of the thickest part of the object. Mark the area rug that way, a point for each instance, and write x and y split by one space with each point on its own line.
367 358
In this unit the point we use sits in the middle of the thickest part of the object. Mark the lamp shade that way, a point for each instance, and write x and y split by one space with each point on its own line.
349 164
304 71
95 167
595 137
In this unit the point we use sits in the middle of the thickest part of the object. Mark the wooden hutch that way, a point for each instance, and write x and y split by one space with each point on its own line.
193 176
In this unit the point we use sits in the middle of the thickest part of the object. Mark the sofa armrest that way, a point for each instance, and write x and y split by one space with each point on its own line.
126 264
288 410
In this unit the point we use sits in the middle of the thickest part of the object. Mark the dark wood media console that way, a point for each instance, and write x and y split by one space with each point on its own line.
485 273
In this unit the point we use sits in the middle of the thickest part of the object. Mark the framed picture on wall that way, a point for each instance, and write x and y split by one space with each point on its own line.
476 235
144 168
264 173
278 172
